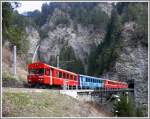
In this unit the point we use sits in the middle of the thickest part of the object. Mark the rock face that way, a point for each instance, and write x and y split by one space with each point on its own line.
55 36
82 39
106 7
133 64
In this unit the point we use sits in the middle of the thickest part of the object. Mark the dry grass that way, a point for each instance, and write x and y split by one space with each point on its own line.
45 104
6 57
8 78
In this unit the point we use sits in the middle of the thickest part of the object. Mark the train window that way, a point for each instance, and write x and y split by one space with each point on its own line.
36 71
60 74
75 78
71 77
67 76
57 74
91 80
64 75
87 80
113 83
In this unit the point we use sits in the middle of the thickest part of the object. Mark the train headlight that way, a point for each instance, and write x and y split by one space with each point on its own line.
41 79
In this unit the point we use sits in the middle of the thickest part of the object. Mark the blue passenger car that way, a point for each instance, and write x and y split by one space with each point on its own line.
88 82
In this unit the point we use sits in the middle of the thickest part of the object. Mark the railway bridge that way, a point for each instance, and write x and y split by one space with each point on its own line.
100 95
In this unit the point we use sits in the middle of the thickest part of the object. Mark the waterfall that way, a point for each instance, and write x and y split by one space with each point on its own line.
35 53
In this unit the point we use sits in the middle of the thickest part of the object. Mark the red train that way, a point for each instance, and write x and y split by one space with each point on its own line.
49 75
41 73
115 84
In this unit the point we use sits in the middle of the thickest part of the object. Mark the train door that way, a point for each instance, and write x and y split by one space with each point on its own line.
51 78
80 82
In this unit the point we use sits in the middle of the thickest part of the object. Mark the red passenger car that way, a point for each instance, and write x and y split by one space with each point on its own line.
41 73
114 84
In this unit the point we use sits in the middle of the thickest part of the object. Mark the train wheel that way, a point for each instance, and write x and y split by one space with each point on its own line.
28 85
44 86
31 86
37 86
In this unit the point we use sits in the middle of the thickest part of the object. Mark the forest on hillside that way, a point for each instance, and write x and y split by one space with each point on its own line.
103 56
106 53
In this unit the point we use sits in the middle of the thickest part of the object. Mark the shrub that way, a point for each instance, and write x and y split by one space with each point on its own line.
62 20
126 108
7 76
74 64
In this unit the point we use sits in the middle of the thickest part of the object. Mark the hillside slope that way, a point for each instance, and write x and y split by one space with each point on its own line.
45 103
7 70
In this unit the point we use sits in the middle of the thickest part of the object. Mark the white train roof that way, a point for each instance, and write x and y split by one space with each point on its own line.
92 77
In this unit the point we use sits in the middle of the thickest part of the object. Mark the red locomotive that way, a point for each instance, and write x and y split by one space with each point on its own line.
45 74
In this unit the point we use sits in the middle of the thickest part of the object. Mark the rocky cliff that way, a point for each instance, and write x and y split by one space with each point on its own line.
132 65
57 35
81 41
